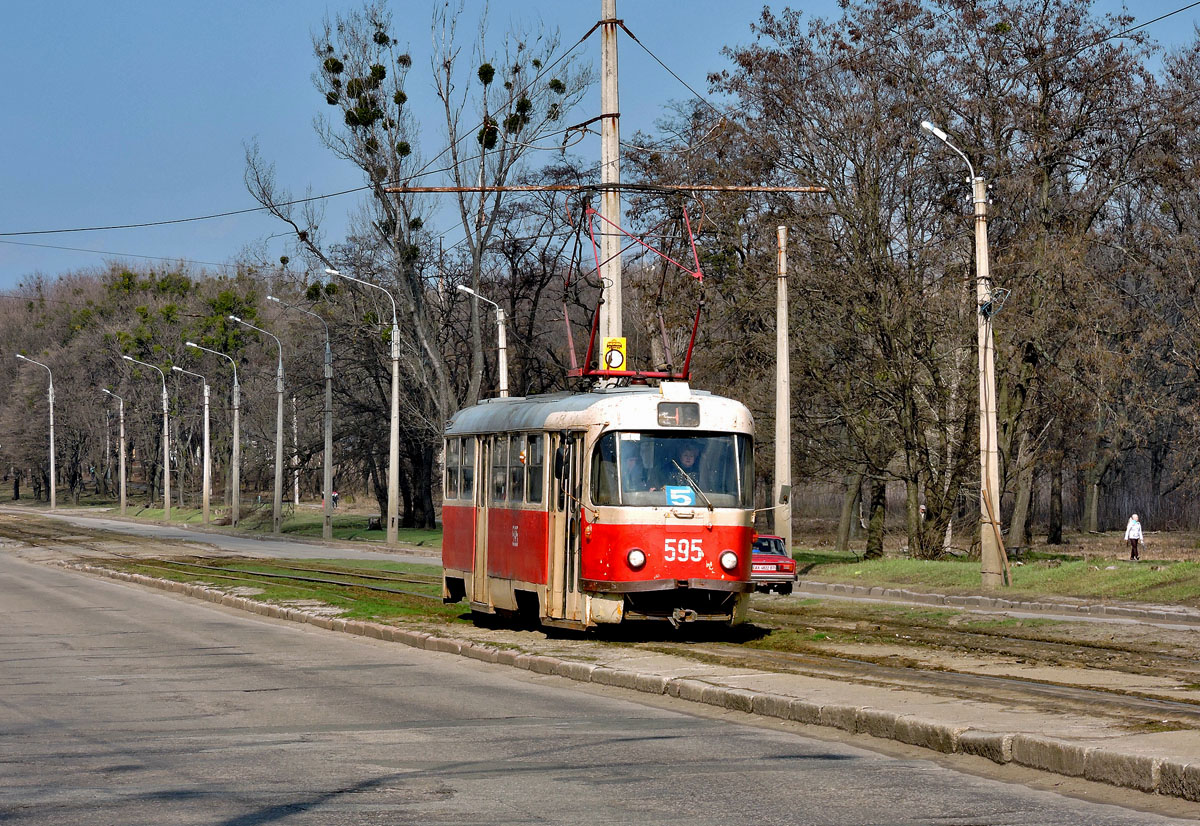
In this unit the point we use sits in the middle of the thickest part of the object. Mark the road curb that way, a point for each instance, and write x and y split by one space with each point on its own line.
1132 771
843 589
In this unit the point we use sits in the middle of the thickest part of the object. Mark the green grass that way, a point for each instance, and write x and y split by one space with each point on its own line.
1043 575
304 522
354 602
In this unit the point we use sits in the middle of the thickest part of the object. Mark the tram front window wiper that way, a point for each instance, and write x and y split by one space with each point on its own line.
695 486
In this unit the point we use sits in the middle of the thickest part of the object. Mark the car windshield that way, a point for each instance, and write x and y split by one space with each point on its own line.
660 468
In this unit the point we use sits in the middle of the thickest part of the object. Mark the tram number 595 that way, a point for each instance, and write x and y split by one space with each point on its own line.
682 550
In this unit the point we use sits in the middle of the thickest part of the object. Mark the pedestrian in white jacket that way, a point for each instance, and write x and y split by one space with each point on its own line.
1133 535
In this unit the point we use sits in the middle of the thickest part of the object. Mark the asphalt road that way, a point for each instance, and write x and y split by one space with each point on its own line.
120 705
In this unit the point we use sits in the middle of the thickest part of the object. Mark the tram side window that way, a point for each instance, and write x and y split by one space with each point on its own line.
516 468
467 477
450 487
534 463
499 468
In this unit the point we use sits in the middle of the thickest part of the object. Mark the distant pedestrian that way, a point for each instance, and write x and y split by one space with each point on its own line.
1133 535
334 497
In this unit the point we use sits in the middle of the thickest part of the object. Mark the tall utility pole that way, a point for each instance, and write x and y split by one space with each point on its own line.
994 561
295 455
50 395
235 495
204 496
277 503
327 475
394 427
783 401
610 173
120 441
166 439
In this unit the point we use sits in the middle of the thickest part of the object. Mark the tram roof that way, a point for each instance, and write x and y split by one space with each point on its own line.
533 412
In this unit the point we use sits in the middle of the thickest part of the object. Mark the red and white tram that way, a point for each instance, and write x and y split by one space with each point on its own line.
625 503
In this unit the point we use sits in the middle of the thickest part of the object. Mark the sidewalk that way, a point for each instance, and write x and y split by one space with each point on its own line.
1165 763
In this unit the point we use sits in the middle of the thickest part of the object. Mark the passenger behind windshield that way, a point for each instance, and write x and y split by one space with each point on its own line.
678 467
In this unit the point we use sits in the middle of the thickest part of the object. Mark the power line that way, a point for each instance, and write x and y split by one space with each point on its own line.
425 171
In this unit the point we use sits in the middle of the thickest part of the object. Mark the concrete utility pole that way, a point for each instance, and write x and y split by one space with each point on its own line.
610 173
204 496
501 337
50 395
277 503
166 439
783 401
120 441
295 455
327 477
394 428
993 557
235 495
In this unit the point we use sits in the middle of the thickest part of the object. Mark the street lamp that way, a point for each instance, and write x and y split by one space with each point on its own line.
992 555
501 335
327 477
207 461
394 428
235 497
53 483
277 508
166 440
121 420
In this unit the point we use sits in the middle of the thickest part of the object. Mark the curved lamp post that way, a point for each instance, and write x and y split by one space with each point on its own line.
327 473
277 506
53 482
166 439
121 440
992 553
204 498
235 497
501 337
394 428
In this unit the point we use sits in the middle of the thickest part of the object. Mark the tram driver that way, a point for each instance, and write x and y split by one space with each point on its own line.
679 465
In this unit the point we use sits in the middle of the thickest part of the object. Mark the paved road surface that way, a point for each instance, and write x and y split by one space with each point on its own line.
124 706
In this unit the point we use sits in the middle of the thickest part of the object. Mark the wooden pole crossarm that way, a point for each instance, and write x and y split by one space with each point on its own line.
602 187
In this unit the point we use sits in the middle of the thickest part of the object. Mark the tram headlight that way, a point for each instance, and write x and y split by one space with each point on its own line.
729 561
636 558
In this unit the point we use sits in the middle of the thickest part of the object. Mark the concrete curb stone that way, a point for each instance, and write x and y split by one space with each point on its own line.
1179 780
1049 754
837 715
804 711
877 722
1125 770
580 672
740 699
928 734
992 745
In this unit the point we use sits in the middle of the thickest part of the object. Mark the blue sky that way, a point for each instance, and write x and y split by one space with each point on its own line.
127 112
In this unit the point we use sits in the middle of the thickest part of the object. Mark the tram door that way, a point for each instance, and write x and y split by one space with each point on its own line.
564 600
480 596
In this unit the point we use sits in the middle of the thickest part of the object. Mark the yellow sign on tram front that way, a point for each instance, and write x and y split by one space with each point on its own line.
614 353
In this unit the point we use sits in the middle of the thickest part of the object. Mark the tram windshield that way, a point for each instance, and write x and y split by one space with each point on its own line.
657 468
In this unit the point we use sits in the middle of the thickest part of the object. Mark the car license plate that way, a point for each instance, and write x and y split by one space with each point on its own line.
764 567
